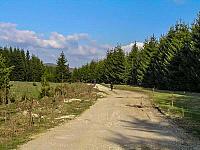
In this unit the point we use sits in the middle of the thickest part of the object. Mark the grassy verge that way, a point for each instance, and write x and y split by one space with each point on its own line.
24 118
182 107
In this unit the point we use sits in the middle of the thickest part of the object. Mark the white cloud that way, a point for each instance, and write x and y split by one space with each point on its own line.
128 47
9 33
78 45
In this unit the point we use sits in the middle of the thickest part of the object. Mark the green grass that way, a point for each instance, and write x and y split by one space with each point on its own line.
185 110
18 89
16 130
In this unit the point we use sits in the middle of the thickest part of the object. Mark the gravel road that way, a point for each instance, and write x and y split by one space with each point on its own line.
122 120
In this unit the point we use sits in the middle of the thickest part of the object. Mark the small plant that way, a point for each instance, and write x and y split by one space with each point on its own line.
34 84
12 99
45 89
24 97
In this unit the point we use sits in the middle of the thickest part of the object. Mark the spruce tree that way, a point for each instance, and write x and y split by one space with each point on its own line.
62 69
179 69
4 80
144 58
149 78
100 71
132 63
50 73
196 51
36 69
115 66
76 75
17 59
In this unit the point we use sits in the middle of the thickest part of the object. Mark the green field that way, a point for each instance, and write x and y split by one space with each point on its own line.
32 89
182 107
16 123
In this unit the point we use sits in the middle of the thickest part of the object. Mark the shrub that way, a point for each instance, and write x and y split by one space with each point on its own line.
34 84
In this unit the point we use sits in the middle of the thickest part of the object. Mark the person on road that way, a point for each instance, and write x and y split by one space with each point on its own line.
111 86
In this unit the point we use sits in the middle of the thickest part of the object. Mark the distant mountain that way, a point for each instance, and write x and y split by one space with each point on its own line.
54 65
50 64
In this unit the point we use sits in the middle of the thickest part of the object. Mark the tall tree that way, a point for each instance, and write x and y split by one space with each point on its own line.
196 51
4 80
115 65
132 63
62 69
169 46
179 69
145 57
17 59
37 69
76 77
50 73
100 71
151 47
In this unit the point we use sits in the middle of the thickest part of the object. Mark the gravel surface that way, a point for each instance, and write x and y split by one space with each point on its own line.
122 120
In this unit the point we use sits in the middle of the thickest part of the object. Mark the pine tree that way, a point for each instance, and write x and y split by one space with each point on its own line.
92 71
151 47
179 69
4 80
169 46
50 73
196 51
62 69
144 58
17 59
76 75
36 69
115 66
100 71
132 63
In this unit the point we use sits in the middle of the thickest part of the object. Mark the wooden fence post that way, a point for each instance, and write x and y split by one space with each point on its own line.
172 100
183 113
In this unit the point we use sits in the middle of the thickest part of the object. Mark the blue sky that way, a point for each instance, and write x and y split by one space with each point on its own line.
85 29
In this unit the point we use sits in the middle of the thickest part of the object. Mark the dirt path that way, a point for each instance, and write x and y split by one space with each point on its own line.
116 123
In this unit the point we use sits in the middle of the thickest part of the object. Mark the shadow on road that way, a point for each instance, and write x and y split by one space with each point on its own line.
145 134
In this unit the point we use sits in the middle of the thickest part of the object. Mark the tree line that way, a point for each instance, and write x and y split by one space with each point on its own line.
30 68
25 67
16 65
171 62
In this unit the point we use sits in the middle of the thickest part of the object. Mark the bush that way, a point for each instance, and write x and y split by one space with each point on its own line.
12 99
45 89
34 84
